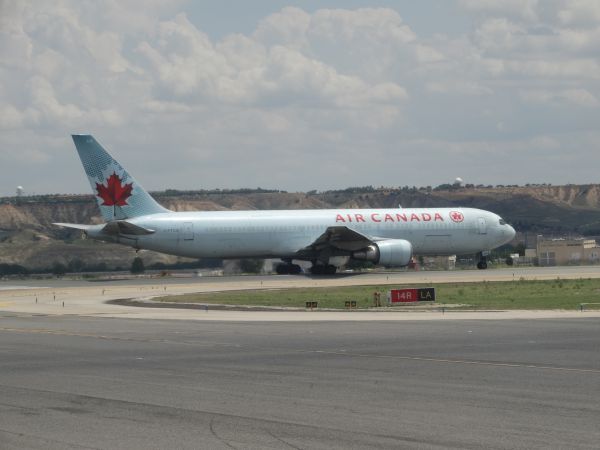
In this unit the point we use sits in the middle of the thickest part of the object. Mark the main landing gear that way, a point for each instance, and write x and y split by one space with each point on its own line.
322 269
288 268
482 264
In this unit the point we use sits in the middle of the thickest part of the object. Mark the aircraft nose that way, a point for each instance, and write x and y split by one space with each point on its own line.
510 233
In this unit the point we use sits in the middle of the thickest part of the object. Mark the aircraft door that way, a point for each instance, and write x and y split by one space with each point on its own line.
188 231
481 226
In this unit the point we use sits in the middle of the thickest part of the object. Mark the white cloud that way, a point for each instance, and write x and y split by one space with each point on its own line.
366 25
240 70
10 117
166 107
43 99
579 97
499 35
526 9
327 92
579 13
537 48
573 69
457 88
581 41
287 27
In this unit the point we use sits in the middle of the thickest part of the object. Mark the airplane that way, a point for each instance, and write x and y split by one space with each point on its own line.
387 237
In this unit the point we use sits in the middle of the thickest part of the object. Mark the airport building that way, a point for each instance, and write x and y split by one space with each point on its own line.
559 252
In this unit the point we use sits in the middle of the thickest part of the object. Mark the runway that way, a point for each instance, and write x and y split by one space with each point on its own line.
80 373
75 382
85 298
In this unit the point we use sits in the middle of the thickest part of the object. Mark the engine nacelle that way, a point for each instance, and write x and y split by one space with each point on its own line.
390 253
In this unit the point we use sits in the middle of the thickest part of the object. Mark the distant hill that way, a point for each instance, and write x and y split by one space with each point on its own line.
28 237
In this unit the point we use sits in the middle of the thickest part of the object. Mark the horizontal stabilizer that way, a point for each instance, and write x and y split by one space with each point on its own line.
123 227
114 228
76 226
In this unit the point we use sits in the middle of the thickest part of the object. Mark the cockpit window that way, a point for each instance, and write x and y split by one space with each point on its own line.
502 222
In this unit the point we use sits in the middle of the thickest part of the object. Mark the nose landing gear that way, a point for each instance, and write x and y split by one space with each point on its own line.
482 264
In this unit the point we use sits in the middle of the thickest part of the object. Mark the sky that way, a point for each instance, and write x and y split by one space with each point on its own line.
301 95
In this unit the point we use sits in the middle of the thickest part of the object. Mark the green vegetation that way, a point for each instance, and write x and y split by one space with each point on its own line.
137 266
12 269
522 294
58 269
176 192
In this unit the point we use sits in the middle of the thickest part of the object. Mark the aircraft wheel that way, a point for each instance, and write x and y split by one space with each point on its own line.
282 269
288 269
319 269
482 265
330 269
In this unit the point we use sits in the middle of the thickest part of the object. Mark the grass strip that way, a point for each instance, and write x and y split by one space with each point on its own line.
520 294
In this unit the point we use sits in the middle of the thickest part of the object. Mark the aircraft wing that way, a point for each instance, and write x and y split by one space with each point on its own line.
338 240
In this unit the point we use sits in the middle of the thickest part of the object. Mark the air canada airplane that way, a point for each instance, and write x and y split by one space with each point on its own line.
387 237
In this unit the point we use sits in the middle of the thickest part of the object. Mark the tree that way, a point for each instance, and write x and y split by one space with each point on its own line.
58 269
137 266
76 265
99 267
12 269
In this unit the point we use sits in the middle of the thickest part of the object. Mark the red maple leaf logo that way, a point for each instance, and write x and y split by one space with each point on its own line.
114 193
457 216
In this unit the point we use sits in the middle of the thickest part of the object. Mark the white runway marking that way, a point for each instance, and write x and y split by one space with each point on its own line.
457 361
14 288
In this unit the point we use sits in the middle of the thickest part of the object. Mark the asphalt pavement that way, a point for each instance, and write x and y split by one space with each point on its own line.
70 382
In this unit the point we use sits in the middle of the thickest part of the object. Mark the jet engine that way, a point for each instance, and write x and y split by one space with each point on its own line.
390 252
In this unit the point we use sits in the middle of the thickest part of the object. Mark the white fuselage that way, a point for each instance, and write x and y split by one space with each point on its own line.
280 234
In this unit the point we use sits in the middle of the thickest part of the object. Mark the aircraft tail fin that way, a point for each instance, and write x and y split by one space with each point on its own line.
118 195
